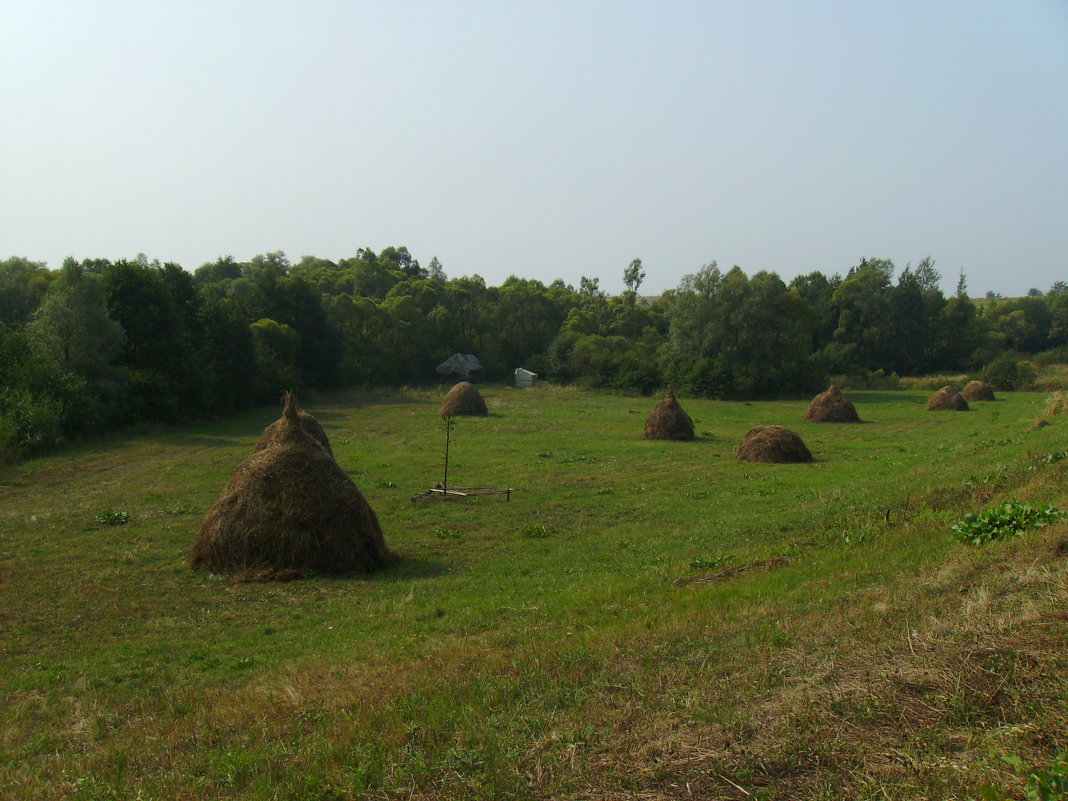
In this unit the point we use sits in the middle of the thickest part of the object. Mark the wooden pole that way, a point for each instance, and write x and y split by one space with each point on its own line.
448 438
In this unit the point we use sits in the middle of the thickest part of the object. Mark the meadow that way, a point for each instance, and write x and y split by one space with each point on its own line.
642 619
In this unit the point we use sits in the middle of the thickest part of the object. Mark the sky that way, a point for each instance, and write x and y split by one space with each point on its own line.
546 140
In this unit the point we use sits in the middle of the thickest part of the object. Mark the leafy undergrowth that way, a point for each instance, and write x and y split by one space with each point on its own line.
1010 519
639 621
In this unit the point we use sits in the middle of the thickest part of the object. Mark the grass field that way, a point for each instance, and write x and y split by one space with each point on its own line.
647 620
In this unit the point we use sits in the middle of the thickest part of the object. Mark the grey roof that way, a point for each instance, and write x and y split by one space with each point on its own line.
460 364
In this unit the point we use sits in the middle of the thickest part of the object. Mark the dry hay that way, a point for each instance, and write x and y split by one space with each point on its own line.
776 444
289 507
464 399
1057 403
307 422
831 407
1039 425
947 399
669 421
978 391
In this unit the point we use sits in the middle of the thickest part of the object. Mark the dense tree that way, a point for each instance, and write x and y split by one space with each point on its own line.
23 284
157 308
72 328
732 336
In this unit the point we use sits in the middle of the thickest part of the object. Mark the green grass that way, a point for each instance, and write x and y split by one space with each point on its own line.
640 617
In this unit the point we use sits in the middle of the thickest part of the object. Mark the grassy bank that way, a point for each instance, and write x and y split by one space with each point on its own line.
642 619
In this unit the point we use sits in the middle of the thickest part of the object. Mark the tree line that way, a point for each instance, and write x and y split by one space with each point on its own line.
100 344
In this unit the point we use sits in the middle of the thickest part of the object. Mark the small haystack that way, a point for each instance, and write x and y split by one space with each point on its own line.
831 407
947 399
775 444
978 391
464 400
289 507
307 422
669 421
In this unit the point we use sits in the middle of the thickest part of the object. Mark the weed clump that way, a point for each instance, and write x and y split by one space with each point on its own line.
775 444
464 400
290 507
947 399
1008 520
831 407
669 421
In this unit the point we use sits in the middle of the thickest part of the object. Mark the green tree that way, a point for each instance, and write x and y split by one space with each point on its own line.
23 284
72 329
732 336
276 347
158 309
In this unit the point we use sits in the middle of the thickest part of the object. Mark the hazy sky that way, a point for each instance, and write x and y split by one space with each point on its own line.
545 139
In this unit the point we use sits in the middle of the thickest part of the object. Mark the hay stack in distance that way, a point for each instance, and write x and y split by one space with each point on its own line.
669 421
831 407
947 399
290 507
978 391
307 422
776 444
464 400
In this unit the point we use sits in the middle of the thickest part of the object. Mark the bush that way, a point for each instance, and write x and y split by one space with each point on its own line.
1008 372
28 424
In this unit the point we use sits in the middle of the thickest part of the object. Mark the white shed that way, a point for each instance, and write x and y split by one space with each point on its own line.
525 378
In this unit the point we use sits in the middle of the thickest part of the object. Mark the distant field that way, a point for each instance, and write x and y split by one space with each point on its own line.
649 620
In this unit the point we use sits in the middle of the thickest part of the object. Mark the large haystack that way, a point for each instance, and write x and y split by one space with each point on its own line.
290 507
947 399
831 407
307 422
978 391
772 444
464 399
669 421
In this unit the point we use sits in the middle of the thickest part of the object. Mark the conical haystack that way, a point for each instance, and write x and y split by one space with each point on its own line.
831 407
307 422
290 507
772 444
669 421
947 399
978 391
464 399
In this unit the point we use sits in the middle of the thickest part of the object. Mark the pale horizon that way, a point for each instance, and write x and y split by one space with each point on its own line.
548 140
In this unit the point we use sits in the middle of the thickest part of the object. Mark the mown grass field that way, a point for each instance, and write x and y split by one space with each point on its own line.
648 620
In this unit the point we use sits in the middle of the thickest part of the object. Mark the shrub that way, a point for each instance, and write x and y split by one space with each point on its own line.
1008 372
28 423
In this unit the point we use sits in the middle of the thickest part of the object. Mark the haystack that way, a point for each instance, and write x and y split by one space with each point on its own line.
669 421
978 391
831 407
947 399
772 444
290 507
463 399
307 422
